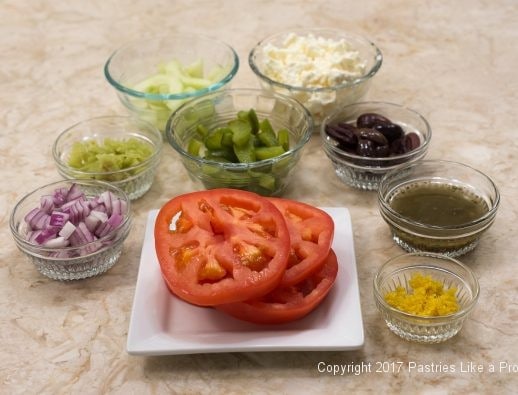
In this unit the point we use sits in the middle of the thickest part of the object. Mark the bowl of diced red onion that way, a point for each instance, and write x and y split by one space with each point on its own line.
72 229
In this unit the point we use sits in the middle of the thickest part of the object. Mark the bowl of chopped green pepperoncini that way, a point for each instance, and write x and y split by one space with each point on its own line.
425 297
121 150
241 138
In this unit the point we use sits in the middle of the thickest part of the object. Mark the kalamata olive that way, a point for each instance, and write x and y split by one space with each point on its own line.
391 131
349 126
369 119
382 151
365 148
397 147
411 141
347 148
342 135
376 137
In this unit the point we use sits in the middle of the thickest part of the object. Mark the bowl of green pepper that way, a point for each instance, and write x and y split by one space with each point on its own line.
241 138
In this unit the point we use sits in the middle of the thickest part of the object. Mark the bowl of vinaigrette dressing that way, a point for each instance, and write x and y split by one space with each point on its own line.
438 206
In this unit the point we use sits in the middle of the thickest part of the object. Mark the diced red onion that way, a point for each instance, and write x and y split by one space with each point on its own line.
84 234
58 218
46 203
57 242
31 236
60 196
69 218
100 214
67 230
115 220
39 221
46 234
92 222
106 198
74 192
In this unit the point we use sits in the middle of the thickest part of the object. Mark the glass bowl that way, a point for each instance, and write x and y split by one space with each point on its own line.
335 79
413 232
364 172
182 67
267 177
134 177
71 263
397 271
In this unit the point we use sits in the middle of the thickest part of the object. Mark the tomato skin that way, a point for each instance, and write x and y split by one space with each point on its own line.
311 235
228 246
286 304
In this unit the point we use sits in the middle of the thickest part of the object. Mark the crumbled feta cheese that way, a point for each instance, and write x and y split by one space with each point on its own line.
315 62
312 62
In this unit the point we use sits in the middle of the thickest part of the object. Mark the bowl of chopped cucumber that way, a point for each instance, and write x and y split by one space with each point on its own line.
154 76
241 138
121 150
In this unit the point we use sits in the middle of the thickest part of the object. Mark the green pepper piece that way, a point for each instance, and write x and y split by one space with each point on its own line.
241 132
254 121
266 126
221 155
213 140
262 153
194 147
202 130
267 138
283 136
245 154
243 115
226 140
267 181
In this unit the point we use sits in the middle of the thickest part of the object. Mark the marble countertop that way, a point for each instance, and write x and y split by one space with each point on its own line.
453 61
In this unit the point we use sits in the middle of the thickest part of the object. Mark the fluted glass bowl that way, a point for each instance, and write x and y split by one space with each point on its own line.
134 180
267 177
71 263
330 93
397 272
135 62
452 240
367 172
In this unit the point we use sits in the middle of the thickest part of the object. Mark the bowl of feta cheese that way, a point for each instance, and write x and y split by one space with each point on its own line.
324 69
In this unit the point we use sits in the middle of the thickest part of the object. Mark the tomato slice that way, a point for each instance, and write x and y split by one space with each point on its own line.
221 246
290 303
311 235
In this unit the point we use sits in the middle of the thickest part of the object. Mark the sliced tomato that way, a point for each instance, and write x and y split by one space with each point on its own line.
221 246
286 304
311 235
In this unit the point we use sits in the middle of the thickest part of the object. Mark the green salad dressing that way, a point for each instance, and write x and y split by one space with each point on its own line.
438 204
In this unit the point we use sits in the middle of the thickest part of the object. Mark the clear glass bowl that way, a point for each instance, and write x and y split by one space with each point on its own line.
366 172
141 59
320 101
76 265
451 273
267 177
455 240
136 180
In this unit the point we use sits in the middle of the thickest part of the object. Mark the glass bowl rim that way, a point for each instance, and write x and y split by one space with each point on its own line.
418 151
27 246
385 207
378 57
171 96
241 166
157 146
428 319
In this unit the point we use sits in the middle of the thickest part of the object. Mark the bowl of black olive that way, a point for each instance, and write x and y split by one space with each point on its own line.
366 140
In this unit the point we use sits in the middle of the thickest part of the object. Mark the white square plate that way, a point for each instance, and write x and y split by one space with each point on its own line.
162 324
